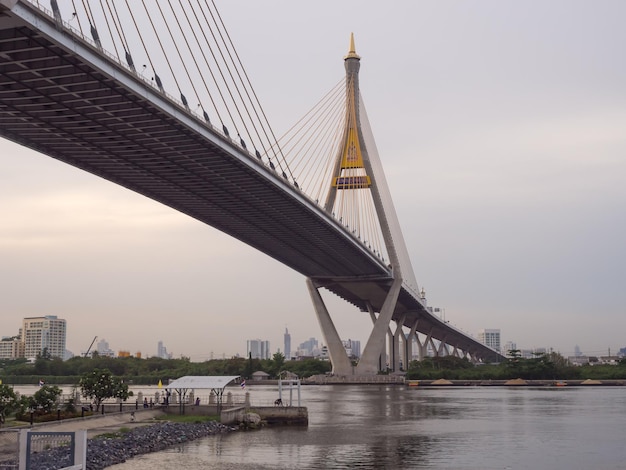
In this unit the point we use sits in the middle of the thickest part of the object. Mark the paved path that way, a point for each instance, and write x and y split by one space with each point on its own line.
100 424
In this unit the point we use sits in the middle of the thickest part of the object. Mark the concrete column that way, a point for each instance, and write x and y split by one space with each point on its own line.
442 349
432 345
80 448
421 354
390 345
428 340
383 353
376 341
408 350
444 346
396 344
338 355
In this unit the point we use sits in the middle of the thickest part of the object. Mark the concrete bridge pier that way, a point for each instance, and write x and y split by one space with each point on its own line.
376 342
382 358
408 349
397 336
338 355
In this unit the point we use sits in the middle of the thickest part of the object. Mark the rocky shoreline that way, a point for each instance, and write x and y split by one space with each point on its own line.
104 451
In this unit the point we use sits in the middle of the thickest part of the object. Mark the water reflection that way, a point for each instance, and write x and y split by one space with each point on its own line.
395 427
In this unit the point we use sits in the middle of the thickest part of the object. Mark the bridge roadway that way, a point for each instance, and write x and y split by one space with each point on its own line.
61 96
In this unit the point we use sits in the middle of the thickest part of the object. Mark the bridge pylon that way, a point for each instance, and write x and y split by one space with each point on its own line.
357 169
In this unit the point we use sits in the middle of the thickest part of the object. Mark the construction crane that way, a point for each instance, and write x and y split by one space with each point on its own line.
90 346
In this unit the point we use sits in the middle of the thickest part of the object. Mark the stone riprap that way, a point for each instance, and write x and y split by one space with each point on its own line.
104 451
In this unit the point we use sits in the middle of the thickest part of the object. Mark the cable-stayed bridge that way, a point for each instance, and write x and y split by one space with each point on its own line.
64 95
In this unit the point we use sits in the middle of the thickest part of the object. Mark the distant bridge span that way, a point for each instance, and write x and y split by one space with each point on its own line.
62 97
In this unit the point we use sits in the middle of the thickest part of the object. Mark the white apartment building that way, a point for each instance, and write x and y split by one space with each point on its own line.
490 337
39 333
11 348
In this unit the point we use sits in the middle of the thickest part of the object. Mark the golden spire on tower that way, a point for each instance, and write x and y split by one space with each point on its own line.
352 52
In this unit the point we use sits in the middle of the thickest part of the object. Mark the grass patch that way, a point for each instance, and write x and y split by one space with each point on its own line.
187 418
114 435
12 422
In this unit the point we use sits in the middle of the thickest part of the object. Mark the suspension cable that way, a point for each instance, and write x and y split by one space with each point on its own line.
273 139
219 30
141 38
75 14
228 88
161 45
206 40
106 19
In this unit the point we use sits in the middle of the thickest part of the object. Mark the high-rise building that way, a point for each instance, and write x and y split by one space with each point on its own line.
287 345
353 348
308 348
162 351
509 346
490 337
103 349
258 349
11 348
44 333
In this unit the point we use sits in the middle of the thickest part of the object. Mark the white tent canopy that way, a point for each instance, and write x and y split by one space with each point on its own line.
202 382
215 383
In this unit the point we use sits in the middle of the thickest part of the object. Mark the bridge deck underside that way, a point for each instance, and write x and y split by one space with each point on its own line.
57 103
54 103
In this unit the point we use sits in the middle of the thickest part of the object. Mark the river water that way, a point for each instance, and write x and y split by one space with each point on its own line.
396 427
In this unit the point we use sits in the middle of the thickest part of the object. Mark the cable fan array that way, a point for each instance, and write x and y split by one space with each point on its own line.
183 45
313 147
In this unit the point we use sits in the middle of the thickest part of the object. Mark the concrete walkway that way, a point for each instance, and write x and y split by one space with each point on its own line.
100 424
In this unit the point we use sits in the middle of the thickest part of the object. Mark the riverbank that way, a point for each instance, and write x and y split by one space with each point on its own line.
515 383
100 424
399 380
116 439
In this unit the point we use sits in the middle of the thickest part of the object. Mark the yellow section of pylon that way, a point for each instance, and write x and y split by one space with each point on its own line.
352 157
351 166
160 384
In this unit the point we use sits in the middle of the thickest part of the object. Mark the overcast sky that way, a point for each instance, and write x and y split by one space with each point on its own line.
502 131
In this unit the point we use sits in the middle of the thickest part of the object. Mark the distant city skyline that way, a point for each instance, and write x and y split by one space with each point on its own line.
312 346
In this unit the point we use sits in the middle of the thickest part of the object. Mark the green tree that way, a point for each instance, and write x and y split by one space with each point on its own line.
8 401
514 362
47 397
100 384
308 367
278 361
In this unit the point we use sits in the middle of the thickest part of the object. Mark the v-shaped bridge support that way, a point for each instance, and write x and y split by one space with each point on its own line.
369 361
368 365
